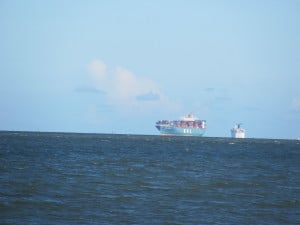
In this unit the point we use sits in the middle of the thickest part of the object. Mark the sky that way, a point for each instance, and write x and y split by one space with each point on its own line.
119 66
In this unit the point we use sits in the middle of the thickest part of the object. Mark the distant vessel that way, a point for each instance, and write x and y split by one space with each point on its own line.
237 131
185 126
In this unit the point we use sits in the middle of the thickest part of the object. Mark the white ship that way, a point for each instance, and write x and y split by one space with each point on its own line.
237 131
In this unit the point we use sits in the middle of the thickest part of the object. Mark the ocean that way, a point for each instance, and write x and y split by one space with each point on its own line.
68 178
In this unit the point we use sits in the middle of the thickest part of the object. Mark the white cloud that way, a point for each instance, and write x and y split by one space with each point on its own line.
97 69
127 91
127 86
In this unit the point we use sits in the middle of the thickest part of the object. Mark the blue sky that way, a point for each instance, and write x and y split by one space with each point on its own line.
119 66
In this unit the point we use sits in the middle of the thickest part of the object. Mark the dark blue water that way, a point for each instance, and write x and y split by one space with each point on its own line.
56 178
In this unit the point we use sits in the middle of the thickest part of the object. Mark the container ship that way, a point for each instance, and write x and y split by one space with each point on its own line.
185 126
237 131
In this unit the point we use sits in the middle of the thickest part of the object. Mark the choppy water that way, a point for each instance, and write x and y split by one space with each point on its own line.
56 178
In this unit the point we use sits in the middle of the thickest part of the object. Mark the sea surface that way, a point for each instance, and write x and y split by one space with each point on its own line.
66 178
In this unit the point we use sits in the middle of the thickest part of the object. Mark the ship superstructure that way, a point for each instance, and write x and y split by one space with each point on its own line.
238 132
188 125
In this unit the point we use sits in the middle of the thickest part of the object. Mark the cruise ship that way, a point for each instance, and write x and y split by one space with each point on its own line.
237 131
188 125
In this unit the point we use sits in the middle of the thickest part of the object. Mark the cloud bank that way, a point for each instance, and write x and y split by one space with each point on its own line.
126 90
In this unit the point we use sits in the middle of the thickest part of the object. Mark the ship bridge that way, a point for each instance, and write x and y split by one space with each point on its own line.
189 117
